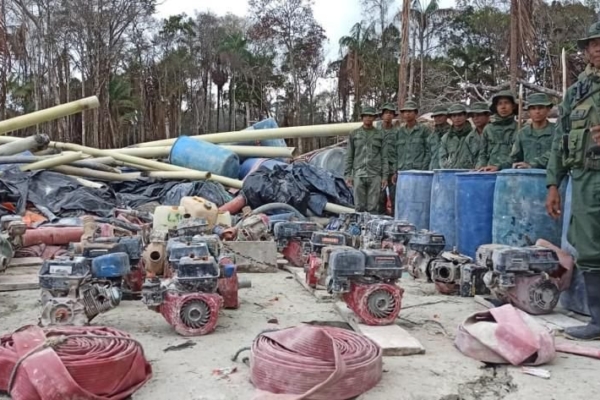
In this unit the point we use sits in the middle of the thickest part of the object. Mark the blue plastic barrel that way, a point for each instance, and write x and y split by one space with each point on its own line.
442 217
413 196
566 200
111 265
252 164
203 156
474 210
520 216
268 123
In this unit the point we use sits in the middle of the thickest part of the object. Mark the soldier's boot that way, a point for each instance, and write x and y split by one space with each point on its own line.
591 331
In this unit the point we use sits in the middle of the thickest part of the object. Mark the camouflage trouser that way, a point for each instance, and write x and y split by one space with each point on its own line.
383 201
584 227
367 191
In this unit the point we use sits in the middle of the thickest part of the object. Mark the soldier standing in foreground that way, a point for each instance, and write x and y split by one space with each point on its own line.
576 148
534 141
454 154
440 128
412 144
480 114
499 135
390 133
366 163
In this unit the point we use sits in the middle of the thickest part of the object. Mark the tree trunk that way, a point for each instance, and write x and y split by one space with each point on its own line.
404 52
411 77
514 43
421 67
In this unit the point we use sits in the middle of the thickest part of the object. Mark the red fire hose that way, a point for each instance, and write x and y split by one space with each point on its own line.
84 363
316 363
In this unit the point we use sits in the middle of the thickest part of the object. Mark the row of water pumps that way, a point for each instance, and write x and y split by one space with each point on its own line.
182 274
361 258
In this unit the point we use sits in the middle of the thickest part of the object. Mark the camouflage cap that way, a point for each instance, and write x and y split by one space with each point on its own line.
479 108
593 33
503 94
389 107
368 111
457 109
409 105
439 110
539 99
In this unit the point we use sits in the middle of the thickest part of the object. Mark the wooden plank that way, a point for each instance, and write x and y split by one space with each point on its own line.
320 293
26 262
29 270
253 256
18 282
393 340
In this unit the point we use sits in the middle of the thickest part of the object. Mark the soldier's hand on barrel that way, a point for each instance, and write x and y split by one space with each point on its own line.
489 168
521 165
383 183
349 181
394 178
553 202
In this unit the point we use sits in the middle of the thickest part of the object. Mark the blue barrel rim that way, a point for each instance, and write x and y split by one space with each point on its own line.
522 171
478 174
450 171
415 172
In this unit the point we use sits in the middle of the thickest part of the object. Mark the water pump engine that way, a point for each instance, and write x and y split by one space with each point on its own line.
526 277
293 240
424 247
72 293
321 241
446 270
352 225
367 282
389 234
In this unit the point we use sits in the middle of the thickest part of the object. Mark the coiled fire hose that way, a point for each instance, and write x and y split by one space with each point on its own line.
316 363
95 363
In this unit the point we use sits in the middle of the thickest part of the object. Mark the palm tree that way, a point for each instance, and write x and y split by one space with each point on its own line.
121 105
219 77
522 36
234 53
356 47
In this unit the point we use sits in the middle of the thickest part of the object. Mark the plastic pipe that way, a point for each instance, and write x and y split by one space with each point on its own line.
310 131
337 209
33 143
100 175
49 114
196 175
52 162
86 183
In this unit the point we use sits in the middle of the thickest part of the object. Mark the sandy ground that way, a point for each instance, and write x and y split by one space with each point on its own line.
440 374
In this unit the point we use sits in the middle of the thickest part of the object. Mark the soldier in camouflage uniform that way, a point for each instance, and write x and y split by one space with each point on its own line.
480 114
440 128
576 148
367 163
412 144
534 141
390 132
499 135
454 153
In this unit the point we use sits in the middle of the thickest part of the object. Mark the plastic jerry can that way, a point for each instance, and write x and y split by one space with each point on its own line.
167 217
224 219
199 207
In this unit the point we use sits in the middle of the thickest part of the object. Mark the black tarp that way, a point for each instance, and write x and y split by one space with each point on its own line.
300 185
57 195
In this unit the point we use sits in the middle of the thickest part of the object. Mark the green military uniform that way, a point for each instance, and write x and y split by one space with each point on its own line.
533 145
390 134
498 137
436 137
453 152
412 144
574 149
474 138
366 165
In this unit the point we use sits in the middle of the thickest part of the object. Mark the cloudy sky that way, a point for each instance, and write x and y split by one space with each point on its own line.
336 16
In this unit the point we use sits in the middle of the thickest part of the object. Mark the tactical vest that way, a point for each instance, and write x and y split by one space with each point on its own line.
585 113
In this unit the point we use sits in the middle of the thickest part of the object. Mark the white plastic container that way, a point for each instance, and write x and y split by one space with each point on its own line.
167 217
199 207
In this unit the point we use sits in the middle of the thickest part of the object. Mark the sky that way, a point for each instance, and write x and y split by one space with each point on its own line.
336 16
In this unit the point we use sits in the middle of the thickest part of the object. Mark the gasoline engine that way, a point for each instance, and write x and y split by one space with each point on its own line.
198 280
423 248
12 230
524 277
352 225
321 245
73 291
446 269
293 240
367 282
384 233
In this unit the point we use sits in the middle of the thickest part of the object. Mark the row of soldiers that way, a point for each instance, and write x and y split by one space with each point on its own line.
376 152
